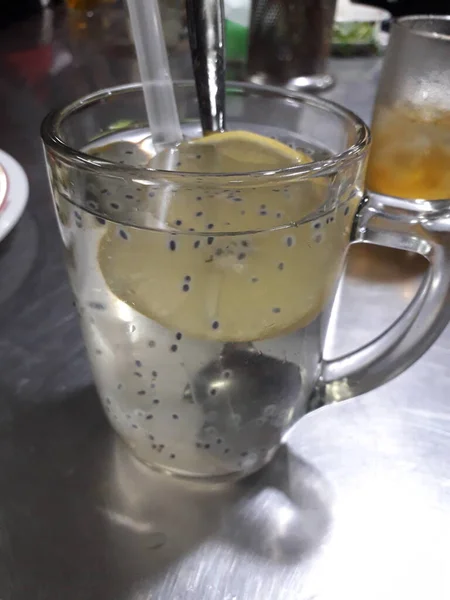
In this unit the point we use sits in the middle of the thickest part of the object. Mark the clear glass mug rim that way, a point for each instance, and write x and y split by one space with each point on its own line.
51 137
406 24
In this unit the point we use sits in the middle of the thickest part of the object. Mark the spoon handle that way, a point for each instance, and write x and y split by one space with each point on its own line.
205 19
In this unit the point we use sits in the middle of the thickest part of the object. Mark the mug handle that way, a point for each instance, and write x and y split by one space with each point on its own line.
425 317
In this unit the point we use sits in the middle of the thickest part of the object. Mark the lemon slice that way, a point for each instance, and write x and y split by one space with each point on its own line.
244 151
237 287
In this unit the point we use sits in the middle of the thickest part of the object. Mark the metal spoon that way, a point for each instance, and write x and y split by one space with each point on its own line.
205 21
244 396
242 385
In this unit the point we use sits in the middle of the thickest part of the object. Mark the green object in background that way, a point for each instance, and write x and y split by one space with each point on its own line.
236 37
354 33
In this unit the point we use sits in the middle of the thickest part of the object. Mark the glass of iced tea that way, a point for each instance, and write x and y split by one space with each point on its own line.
410 155
204 291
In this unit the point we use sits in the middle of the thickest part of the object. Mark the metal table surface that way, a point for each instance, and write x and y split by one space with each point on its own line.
357 503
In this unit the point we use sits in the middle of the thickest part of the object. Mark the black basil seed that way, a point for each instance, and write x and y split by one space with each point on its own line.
346 211
175 416
215 325
196 244
317 225
100 220
129 196
178 222
185 287
156 401
123 234
96 305
276 310
172 456
199 213
210 226
210 240
280 266
149 417
114 205
173 348
151 344
137 374
178 336
172 245
138 363
141 393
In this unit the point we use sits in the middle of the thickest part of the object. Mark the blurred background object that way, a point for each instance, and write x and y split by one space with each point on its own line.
399 8
357 29
237 23
289 43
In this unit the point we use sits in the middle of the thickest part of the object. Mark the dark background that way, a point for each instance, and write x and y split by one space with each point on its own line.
12 10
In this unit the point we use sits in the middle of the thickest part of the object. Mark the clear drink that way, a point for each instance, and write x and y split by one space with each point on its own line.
204 345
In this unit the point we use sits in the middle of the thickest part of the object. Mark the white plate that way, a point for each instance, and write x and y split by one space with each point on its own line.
14 203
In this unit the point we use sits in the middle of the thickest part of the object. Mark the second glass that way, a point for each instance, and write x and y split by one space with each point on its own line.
410 154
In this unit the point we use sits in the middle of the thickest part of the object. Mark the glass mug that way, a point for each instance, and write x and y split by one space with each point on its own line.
204 298
410 153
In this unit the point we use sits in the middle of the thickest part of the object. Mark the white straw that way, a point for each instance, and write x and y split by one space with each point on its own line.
154 69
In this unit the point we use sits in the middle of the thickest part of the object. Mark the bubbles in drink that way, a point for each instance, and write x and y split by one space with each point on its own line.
410 153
